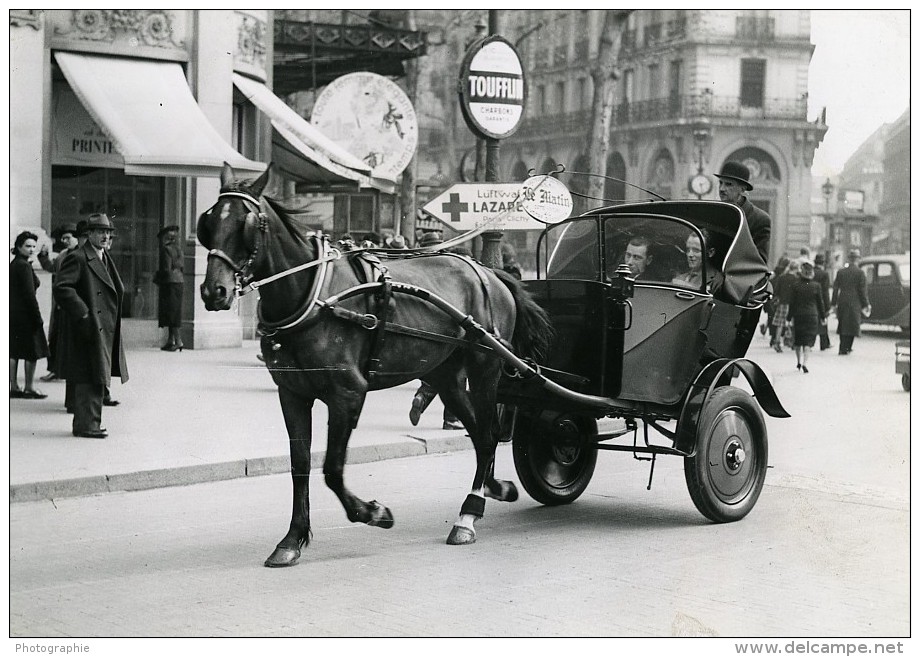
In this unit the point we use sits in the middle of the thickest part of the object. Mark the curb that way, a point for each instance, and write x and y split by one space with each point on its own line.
211 472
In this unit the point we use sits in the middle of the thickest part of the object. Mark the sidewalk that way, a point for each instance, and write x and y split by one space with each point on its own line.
192 417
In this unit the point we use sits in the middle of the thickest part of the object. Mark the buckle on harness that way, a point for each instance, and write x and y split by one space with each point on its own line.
370 322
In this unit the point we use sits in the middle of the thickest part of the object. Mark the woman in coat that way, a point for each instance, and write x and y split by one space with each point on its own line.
782 291
170 277
852 300
27 332
807 312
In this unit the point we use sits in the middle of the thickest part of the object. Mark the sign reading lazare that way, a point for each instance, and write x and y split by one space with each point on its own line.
492 88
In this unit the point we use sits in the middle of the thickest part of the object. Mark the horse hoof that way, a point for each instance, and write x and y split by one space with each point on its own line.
511 493
283 557
507 491
380 515
461 536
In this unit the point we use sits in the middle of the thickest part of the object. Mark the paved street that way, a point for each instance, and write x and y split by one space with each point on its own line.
824 553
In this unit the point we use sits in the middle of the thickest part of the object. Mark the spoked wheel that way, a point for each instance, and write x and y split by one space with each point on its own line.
727 474
554 456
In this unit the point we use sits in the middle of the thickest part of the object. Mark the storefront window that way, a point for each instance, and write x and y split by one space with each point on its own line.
135 205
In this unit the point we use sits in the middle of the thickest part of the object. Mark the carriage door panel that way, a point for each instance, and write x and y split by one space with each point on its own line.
663 346
577 312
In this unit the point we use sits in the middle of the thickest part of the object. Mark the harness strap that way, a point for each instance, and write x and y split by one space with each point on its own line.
382 297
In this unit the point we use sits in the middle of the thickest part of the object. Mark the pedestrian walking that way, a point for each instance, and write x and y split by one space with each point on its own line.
90 290
807 313
851 300
170 278
770 307
734 181
823 278
65 237
782 291
27 332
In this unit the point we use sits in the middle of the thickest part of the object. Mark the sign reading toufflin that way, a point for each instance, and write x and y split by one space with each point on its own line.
492 88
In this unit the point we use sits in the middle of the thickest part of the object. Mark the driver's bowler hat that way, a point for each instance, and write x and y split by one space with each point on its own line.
736 171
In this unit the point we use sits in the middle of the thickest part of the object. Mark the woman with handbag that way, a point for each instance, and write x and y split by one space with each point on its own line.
807 312
27 331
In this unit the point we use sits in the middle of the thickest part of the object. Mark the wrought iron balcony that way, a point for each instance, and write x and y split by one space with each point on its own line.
309 55
673 107
756 28
555 125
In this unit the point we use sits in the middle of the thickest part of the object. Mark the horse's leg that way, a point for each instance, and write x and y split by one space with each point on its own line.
476 410
345 404
298 418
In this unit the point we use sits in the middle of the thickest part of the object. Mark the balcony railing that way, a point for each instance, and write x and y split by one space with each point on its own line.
757 28
555 125
654 34
673 107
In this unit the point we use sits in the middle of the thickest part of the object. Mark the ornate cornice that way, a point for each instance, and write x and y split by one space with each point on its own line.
150 27
26 18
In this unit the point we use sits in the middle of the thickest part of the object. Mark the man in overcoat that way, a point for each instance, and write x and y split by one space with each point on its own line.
851 300
823 279
90 291
734 181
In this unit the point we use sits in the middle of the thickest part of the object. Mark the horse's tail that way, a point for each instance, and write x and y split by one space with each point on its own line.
533 331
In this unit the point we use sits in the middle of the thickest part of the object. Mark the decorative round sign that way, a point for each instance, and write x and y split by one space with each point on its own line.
546 199
492 88
372 118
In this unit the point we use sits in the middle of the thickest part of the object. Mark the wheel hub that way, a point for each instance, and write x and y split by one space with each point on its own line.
734 455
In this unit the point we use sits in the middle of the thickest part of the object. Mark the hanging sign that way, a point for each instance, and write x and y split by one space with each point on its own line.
493 90
546 199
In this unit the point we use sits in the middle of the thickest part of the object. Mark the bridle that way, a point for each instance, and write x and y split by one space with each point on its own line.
242 273
257 222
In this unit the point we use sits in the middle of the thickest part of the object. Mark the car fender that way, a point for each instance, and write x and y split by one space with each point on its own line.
719 373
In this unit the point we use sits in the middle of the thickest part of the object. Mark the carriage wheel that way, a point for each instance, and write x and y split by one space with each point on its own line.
727 473
554 457
905 382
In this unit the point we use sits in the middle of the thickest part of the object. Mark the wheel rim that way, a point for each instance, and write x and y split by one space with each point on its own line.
732 456
561 458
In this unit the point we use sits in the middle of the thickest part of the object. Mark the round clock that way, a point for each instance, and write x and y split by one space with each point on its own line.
700 184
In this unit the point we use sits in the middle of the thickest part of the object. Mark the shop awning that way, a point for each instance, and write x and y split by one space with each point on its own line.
147 109
301 150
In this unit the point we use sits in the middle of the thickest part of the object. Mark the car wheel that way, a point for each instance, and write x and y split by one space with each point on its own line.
905 382
726 475
554 456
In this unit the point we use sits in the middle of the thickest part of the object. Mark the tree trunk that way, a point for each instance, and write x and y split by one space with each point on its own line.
604 75
407 191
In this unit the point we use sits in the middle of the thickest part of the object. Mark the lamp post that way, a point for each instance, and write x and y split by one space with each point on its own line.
701 184
827 190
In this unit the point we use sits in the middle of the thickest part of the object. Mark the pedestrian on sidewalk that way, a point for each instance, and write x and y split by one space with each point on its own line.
90 290
806 312
170 278
27 331
823 279
851 299
782 291
66 238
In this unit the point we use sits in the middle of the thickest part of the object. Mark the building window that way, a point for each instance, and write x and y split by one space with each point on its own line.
560 97
584 100
354 214
541 100
654 81
753 76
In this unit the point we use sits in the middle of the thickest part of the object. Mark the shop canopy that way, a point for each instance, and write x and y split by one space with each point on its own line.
148 111
301 150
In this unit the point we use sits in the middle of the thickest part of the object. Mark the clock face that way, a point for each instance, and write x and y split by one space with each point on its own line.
700 184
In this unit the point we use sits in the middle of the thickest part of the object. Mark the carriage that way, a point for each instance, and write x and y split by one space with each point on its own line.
651 351
586 340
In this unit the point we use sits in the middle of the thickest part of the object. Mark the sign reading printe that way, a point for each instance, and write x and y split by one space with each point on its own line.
493 90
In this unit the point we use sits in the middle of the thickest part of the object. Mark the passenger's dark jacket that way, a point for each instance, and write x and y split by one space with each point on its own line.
92 351
758 223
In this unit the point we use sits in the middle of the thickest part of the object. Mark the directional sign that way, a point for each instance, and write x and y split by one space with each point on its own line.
466 206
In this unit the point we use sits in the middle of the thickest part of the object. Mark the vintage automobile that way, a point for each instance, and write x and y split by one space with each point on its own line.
650 350
888 285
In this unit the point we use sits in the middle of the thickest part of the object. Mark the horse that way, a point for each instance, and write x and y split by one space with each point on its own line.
332 331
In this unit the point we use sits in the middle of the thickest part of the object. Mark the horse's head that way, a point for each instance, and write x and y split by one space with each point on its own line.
230 232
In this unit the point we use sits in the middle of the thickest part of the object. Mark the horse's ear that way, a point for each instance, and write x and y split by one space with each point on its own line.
203 231
260 183
226 175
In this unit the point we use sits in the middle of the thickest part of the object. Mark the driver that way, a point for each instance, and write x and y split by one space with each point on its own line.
637 257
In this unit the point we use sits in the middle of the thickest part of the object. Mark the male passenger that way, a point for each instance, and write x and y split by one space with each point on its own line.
637 257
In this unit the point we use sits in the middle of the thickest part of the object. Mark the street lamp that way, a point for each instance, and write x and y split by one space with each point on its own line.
827 189
702 131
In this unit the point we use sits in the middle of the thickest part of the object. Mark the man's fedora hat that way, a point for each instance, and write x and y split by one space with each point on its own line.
738 172
167 229
99 220
64 228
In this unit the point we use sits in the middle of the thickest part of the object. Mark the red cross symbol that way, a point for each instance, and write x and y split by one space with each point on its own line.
454 207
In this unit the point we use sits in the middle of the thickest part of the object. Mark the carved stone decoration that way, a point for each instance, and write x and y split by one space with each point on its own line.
26 18
250 41
150 27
